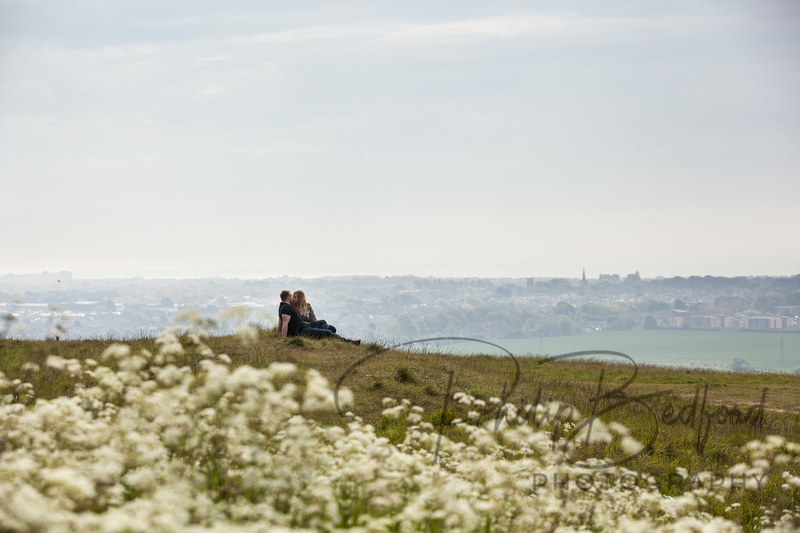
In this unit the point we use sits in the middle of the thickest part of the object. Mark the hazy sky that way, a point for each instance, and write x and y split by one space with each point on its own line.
257 139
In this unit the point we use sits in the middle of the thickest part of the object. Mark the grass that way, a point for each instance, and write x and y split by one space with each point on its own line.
657 405
373 372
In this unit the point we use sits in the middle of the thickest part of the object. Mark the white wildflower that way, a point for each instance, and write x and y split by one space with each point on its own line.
736 470
236 313
319 398
169 346
389 402
188 316
465 399
116 351
594 430
247 334
394 412
619 429
71 483
510 411
774 441
30 366
70 366
281 370
790 479
631 446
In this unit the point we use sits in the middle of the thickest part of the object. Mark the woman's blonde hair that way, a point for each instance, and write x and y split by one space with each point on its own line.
299 302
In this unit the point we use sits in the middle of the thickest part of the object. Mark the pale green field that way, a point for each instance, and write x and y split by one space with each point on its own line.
689 348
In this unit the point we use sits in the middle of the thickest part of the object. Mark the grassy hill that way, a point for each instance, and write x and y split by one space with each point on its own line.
693 421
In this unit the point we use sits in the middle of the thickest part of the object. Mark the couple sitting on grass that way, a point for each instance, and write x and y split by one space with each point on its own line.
296 317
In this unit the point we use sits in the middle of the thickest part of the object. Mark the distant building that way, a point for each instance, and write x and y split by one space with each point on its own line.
679 318
765 322
705 322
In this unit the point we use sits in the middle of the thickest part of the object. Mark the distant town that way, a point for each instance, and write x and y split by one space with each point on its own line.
49 305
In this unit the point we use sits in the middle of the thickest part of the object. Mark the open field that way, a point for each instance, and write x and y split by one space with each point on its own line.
674 347
691 419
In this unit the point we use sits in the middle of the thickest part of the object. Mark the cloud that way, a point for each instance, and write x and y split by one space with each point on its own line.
541 26
560 25
431 33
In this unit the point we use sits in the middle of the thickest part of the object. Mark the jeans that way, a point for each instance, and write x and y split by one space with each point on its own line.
317 333
321 324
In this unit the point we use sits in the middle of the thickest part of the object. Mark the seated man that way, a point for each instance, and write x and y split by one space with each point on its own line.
291 323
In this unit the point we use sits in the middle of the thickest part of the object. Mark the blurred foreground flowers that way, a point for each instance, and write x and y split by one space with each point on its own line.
148 445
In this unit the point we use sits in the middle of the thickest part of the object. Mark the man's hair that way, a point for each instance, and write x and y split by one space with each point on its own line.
285 295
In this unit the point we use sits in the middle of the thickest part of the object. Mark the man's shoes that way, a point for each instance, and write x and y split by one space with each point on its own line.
357 342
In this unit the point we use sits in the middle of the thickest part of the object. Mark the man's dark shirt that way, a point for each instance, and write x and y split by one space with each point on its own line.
296 323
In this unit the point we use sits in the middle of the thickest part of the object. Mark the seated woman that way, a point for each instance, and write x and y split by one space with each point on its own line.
307 312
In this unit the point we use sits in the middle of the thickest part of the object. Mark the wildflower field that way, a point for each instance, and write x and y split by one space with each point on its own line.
256 433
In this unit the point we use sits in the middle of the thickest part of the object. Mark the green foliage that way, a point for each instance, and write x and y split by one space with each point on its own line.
595 311
404 375
621 323
733 304
650 306
393 429
564 308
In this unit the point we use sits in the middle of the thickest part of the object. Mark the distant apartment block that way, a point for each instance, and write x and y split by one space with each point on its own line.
705 322
765 322
682 319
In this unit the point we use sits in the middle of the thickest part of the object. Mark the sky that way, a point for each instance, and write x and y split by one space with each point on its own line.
253 139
